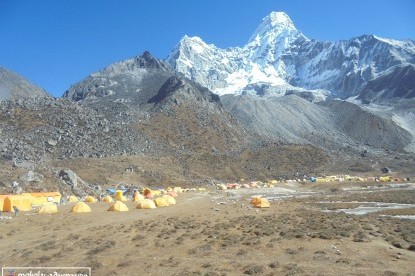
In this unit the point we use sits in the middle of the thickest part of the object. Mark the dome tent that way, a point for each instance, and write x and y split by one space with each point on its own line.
118 206
90 199
146 204
107 199
48 209
119 195
81 207
260 202
161 202
170 200
73 198
138 197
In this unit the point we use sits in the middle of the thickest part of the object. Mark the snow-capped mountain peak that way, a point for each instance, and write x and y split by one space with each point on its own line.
278 59
276 23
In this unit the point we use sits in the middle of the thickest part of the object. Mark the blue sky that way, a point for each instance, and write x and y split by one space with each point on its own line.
55 43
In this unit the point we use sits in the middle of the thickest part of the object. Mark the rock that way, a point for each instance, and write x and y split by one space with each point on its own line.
52 142
385 170
69 177
31 176
361 237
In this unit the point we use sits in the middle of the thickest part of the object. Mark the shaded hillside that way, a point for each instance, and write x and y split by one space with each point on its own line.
399 82
14 86
331 125
367 128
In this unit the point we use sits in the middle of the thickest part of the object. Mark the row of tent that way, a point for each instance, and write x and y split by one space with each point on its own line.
341 178
47 201
119 206
26 201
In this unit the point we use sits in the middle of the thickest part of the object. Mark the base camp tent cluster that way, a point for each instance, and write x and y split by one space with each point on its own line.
48 202
26 201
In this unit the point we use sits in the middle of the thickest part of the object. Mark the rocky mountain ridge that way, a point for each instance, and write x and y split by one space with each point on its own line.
14 86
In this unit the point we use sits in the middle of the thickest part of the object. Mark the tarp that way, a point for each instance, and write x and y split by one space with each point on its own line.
118 206
161 202
22 202
90 199
48 209
146 204
111 191
81 207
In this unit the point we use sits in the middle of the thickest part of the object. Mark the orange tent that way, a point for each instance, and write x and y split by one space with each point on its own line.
259 202
147 193
2 197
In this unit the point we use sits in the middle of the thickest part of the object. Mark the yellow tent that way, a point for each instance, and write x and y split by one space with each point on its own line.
146 204
48 209
255 200
47 197
170 200
118 206
119 195
261 203
73 199
138 197
81 207
161 202
22 202
178 189
90 199
107 199
385 179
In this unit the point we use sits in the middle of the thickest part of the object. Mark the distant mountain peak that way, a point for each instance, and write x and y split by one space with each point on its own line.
146 60
276 24
279 18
